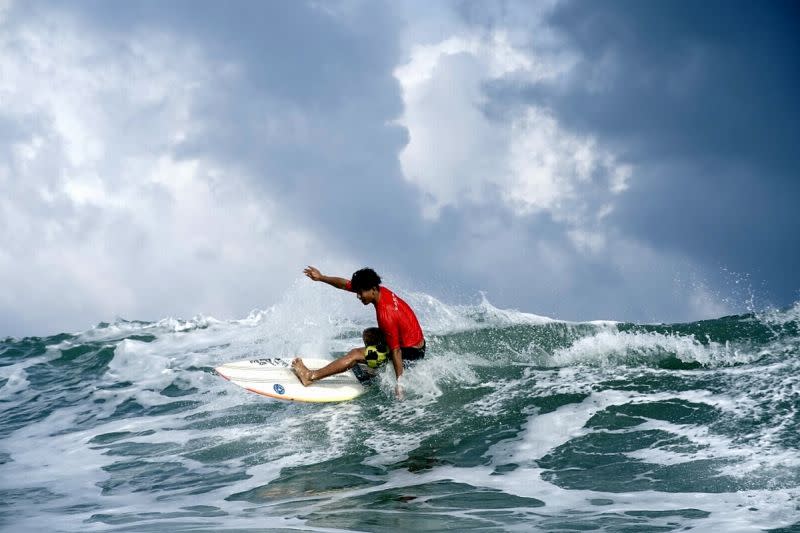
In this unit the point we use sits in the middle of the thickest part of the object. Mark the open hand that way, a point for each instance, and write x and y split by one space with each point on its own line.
313 273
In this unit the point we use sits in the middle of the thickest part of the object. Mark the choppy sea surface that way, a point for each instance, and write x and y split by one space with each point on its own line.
513 422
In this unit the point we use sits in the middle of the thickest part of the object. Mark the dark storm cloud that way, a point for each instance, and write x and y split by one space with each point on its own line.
338 167
702 98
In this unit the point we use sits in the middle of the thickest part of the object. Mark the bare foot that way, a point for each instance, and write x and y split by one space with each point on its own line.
303 373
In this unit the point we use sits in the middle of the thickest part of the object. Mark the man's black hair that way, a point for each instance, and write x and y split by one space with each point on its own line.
364 280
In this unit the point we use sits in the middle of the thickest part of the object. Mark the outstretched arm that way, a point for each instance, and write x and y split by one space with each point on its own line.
316 275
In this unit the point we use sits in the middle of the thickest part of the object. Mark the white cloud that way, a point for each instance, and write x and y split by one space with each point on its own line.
99 217
452 148
496 54
458 155
551 169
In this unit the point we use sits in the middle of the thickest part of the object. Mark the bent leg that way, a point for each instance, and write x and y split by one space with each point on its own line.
344 363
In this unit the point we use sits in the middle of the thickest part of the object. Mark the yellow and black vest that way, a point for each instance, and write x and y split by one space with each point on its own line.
376 355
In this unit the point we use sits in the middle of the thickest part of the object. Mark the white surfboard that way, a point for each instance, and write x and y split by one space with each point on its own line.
274 377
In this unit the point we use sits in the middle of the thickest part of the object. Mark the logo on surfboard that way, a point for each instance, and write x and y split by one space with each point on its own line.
272 361
278 388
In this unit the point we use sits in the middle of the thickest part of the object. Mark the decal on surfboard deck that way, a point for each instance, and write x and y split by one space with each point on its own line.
274 361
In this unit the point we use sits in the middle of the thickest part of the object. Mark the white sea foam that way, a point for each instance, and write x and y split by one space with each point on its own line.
426 377
543 433
396 429
739 512
16 391
17 382
609 347
776 317
748 460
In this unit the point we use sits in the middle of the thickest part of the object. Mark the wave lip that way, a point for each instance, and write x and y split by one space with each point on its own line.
607 347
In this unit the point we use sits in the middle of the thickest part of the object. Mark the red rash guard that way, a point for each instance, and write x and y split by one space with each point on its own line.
397 320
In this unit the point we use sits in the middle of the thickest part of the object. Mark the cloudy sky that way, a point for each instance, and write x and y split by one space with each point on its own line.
583 160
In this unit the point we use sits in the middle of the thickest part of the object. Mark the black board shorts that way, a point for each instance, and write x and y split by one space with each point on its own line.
413 354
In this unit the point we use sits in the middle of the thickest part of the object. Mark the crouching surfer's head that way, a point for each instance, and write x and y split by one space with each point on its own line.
366 284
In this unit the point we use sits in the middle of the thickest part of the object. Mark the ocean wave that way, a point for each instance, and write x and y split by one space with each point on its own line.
512 420
609 347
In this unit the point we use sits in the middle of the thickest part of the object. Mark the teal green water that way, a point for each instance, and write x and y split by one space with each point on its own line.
511 423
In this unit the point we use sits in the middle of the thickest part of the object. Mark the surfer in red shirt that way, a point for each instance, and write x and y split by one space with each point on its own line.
396 320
